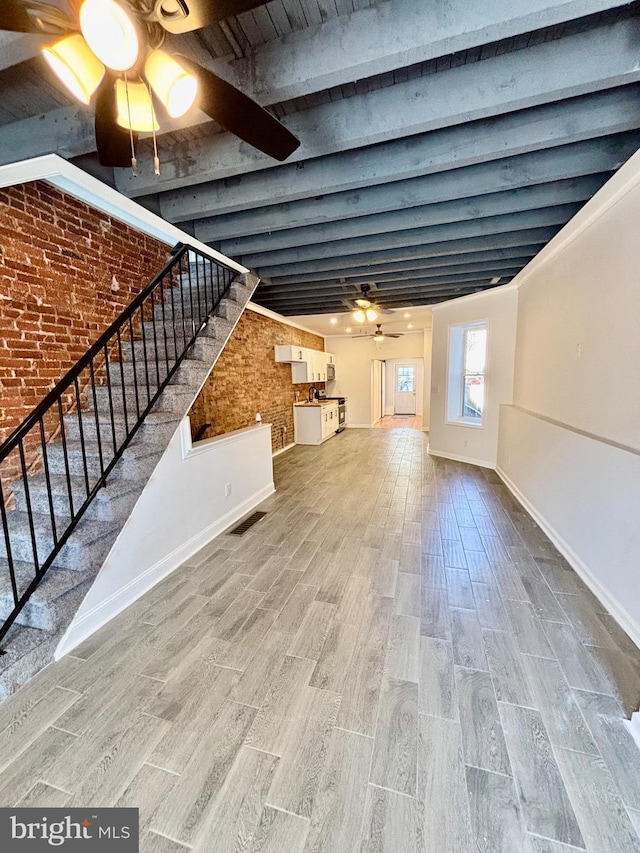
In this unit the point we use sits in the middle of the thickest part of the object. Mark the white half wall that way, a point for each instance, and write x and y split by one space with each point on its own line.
584 494
182 508
473 444
353 370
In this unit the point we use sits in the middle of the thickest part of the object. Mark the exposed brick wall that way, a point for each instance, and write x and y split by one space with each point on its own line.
247 380
58 260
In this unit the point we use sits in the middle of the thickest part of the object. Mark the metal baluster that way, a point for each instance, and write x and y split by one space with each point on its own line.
124 391
43 445
190 296
164 325
27 495
110 396
184 334
82 443
7 542
197 290
94 397
146 360
63 436
135 371
155 338
215 274
173 314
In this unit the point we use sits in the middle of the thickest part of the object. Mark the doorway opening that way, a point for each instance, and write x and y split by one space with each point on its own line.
396 386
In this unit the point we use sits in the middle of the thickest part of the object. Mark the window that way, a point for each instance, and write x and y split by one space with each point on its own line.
405 377
467 359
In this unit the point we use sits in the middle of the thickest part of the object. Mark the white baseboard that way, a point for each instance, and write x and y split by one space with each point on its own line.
622 617
482 463
108 609
283 449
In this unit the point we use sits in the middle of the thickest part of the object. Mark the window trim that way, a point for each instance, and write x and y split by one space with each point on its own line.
454 381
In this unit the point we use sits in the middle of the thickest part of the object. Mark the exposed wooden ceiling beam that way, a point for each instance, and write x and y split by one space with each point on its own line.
588 117
525 78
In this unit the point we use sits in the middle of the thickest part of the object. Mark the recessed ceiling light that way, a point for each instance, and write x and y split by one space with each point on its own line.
333 321
409 325
406 316
348 329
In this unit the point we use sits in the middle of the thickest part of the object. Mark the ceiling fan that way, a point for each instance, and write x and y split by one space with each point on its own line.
113 49
364 309
378 336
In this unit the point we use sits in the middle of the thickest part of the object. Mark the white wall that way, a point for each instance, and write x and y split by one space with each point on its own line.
584 493
182 508
353 370
570 444
478 445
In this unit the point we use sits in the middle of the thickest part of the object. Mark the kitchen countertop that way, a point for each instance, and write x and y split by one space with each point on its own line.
316 404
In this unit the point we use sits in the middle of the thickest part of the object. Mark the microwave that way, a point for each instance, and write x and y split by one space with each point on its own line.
331 372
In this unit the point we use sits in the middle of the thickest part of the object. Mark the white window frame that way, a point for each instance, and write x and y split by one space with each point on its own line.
455 374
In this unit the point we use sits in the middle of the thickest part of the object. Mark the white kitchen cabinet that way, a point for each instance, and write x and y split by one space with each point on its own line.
315 424
307 365
288 353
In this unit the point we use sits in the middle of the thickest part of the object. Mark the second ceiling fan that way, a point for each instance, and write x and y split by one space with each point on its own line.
113 50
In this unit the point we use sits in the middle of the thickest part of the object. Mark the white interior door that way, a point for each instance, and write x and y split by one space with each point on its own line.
404 397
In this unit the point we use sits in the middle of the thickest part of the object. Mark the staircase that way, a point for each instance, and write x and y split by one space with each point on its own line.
73 494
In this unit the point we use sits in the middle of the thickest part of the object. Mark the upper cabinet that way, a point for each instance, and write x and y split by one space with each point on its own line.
289 353
307 365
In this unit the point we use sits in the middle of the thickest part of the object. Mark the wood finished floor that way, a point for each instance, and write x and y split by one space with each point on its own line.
395 659
399 422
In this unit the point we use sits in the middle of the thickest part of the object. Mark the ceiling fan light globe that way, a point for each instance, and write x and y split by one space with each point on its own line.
176 88
359 316
135 107
110 33
363 303
371 315
378 337
75 65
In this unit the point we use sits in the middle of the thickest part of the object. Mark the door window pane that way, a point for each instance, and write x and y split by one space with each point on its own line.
405 377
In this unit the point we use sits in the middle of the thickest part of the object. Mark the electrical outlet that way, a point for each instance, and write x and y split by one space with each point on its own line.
227 489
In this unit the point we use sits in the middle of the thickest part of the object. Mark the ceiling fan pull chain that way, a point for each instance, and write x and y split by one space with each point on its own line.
134 159
156 159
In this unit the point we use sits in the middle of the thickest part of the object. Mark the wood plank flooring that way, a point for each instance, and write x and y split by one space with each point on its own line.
395 659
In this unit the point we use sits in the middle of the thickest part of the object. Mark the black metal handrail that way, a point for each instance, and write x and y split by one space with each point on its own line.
96 412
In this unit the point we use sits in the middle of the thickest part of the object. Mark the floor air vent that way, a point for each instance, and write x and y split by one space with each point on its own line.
247 523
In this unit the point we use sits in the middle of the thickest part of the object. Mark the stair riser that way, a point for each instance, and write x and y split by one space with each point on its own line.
90 430
171 397
74 556
104 507
128 466
185 307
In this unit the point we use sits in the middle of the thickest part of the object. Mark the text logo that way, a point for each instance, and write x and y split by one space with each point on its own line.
71 830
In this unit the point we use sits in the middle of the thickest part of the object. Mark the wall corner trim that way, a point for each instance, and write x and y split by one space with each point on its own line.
622 617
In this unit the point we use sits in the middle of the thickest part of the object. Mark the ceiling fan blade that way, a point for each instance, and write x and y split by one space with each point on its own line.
25 16
241 116
385 310
364 303
184 16
113 142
